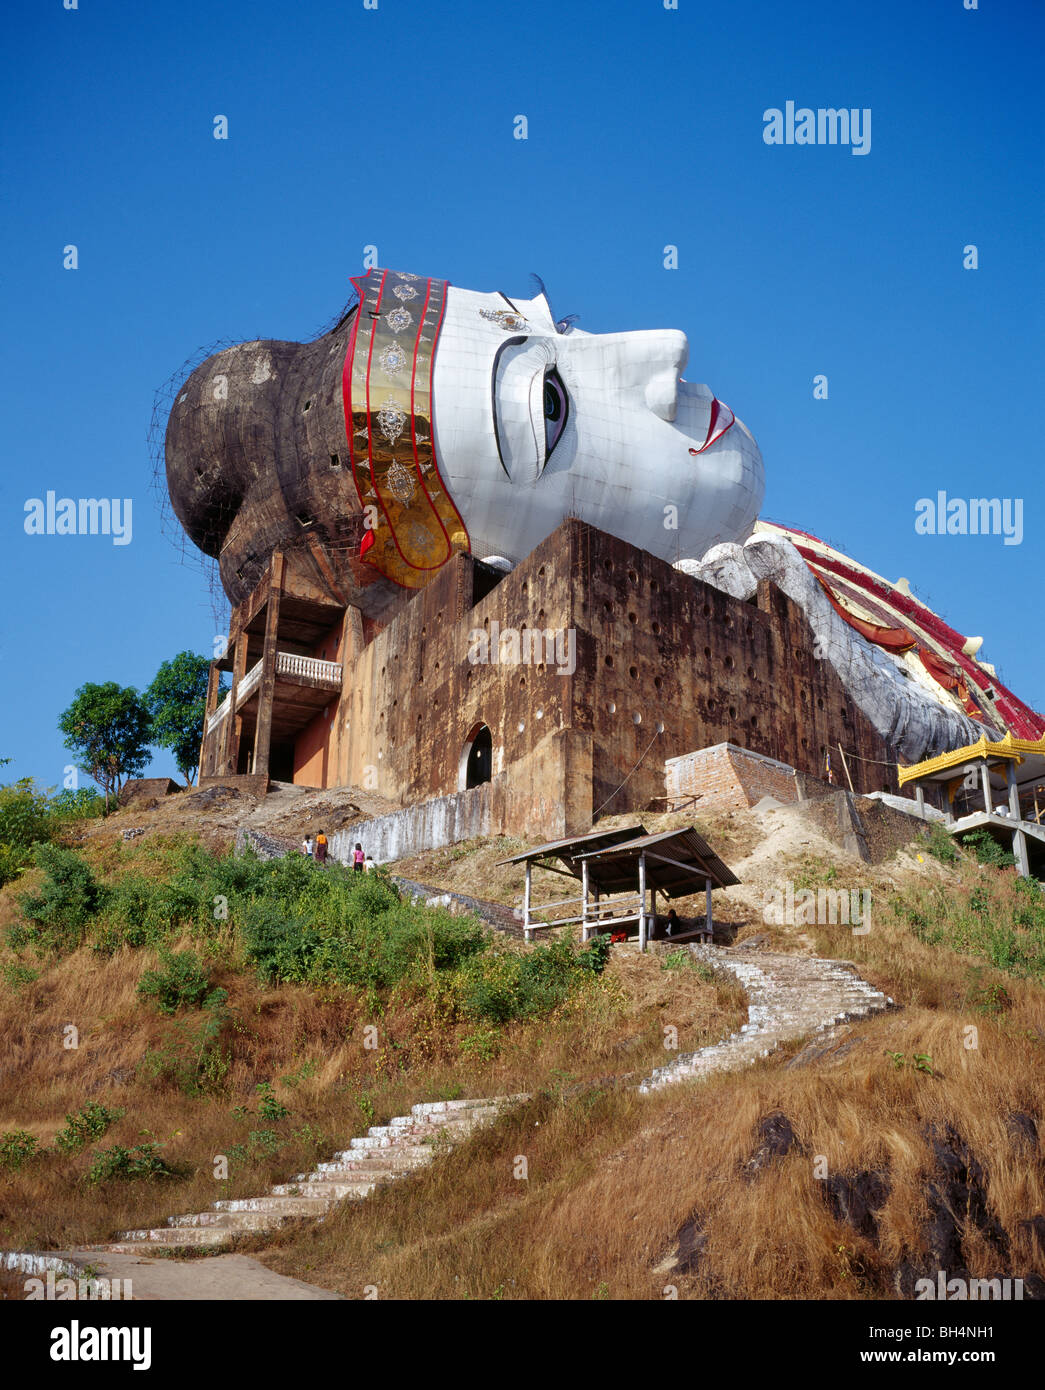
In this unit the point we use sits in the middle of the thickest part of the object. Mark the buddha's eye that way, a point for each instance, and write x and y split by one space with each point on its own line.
556 409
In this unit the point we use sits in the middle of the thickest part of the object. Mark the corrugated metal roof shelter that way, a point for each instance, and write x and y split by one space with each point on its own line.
570 850
673 858
627 861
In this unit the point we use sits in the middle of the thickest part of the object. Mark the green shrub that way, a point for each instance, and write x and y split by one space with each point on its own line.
23 821
182 982
270 1107
499 985
940 845
16 1147
987 850
56 916
89 1123
141 1161
194 1058
676 960
85 803
16 974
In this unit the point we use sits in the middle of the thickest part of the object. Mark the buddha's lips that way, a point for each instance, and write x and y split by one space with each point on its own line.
722 419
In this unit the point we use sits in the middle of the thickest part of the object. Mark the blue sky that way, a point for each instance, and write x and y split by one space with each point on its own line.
394 127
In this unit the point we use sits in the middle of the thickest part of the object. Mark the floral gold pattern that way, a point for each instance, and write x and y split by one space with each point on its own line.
387 388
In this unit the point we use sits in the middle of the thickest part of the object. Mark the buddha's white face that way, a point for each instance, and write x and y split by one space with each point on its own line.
532 425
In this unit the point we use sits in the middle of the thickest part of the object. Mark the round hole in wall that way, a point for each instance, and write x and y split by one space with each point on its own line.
819 703
521 727
522 682
660 728
707 610
656 628
730 663
707 652
751 673
805 743
732 712
607 607
657 682
539 714
632 618
753 722
612 707
423 629
633 577
633 672
654 586
803 696
541 570
609 661
636 718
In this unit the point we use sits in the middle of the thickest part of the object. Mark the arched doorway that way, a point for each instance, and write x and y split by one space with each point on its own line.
476 758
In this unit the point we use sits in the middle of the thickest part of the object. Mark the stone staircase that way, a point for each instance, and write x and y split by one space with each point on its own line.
383 1154
789 996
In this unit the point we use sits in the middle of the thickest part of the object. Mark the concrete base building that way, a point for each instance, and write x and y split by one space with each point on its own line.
564 686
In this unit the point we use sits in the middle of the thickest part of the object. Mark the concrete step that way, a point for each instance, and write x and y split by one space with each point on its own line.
229 1220
174 1236
328 1187
406 1144
279 1206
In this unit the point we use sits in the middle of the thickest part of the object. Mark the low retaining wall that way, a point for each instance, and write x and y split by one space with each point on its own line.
445 820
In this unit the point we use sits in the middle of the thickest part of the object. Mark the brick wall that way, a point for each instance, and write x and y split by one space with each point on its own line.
727 778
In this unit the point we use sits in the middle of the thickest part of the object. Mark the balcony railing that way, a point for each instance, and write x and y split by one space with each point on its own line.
307 669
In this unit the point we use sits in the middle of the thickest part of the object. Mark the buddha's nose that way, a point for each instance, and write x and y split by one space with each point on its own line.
666 364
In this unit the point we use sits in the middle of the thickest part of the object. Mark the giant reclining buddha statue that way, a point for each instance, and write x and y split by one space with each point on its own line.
433 419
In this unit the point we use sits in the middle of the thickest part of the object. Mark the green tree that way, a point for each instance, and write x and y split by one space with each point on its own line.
177 701
108 728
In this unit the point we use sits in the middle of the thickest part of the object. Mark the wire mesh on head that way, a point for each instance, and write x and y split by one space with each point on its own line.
170 527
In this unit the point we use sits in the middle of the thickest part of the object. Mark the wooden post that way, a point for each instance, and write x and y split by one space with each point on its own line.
846 766
213 681
232 722
584 899
267 689
642 901
708 921
527 930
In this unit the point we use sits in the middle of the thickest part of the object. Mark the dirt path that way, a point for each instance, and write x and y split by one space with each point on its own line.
219 1277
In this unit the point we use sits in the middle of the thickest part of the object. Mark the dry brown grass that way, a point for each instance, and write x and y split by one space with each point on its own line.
614 1176
616 1026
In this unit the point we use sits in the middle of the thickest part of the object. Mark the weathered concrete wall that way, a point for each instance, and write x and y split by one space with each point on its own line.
656 647
445 820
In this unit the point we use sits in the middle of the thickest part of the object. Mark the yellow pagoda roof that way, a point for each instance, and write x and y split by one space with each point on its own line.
1013 749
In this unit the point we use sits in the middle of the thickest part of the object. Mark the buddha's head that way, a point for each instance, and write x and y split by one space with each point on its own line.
435 419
